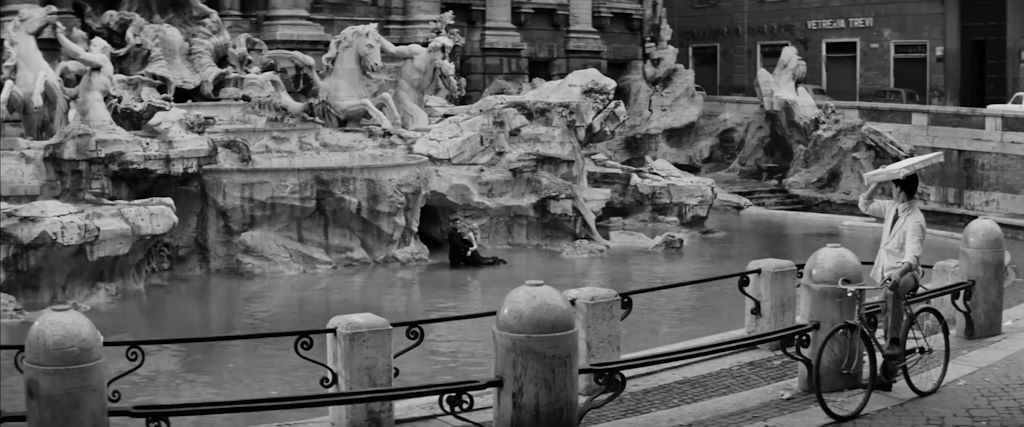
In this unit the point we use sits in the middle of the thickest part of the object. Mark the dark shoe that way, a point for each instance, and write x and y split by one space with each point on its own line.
892 352
882 384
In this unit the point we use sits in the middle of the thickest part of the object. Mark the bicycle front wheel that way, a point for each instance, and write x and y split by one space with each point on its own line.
926 340
844 372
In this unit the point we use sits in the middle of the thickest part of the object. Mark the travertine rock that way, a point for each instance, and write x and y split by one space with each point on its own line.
668 241
837 156
655 190
264 253
56 250
354 207
582 248
660 113
514 161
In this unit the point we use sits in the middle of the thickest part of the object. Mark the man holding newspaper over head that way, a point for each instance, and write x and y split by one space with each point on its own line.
898 263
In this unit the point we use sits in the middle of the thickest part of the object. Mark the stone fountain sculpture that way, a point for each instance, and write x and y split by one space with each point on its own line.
422 68
818 148
31 88
660 97
60 181
250 194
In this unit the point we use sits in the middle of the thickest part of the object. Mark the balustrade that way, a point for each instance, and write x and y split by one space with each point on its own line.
360 357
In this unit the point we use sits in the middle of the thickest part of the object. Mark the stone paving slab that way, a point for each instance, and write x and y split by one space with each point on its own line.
991 396
761 392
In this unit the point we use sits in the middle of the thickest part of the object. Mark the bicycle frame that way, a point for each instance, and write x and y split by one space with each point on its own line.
860 322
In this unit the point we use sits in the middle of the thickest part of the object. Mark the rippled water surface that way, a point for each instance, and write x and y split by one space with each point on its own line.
218 304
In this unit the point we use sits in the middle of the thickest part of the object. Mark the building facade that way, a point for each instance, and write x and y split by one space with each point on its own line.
507 39
951 52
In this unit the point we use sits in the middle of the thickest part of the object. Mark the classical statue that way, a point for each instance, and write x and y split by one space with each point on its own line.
421 69
30 86
90 106
346 93
178 42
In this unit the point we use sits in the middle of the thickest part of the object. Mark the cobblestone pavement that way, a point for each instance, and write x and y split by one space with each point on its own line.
990 396
803 400
702 387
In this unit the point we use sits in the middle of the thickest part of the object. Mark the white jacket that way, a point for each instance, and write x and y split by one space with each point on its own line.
906 240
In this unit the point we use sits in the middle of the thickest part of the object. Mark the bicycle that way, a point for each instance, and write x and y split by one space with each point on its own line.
850 348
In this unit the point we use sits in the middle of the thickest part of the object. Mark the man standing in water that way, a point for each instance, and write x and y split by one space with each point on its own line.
898 263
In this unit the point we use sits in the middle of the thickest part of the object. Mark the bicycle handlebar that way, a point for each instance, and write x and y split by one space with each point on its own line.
862 287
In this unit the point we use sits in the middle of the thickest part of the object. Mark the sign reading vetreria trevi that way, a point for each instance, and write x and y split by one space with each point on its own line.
830 24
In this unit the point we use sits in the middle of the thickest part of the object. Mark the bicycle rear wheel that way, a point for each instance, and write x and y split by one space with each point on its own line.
926 340
844 372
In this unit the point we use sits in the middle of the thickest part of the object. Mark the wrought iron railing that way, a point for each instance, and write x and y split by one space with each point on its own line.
610 375
136 355
454 398
744 282
414 330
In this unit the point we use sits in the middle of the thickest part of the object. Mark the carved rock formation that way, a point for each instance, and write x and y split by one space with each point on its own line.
838 155
660 114
513 164
106 243
654 191
335 207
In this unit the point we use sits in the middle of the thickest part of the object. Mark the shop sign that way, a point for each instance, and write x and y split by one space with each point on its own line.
840 23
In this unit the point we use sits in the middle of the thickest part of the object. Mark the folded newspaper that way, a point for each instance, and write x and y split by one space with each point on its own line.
902 168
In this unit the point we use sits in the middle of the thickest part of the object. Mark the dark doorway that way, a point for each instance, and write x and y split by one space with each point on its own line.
983 52
431 231
616 69
841 70
705 67
910 68
540 68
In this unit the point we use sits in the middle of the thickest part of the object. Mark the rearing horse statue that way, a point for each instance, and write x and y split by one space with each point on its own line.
31 87
348 87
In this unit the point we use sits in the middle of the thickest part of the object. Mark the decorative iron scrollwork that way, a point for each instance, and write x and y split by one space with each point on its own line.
743 283
966 309
627 306
612 383
19 358
305 342
457 403
799 341
133 354
415 333
158 422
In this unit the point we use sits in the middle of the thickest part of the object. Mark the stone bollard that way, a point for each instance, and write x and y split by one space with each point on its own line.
600 331
65 377
982 259
775 288
536 354
945 273
821 301
360 352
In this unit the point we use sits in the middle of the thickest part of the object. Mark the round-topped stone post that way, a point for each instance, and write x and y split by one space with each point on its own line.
65 379
982 259
819 299
536 358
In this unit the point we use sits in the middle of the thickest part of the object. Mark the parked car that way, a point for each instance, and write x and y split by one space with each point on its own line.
896 96
817 92
700 90
1016 103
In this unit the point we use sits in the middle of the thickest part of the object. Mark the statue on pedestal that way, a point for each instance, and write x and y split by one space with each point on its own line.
31 87
90 105
346 93
421 69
